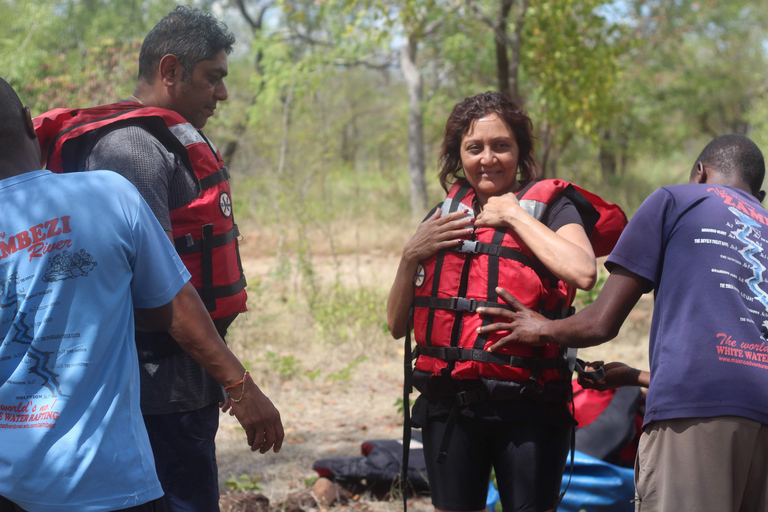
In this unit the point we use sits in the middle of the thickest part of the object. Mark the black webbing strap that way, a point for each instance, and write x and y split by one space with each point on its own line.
493 249
570 473
471 305
457 354
458 198
558 314
458 321
228 290
520 193
407 390
537 364
214 179
208 292
456 304
493 282
186 244
594 376
206 250
442 453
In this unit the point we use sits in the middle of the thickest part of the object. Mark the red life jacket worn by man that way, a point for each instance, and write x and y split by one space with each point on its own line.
204 231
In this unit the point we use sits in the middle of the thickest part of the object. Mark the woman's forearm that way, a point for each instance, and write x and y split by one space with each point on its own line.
401 297
567 253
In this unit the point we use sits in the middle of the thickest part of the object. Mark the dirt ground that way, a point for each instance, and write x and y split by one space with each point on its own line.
325 418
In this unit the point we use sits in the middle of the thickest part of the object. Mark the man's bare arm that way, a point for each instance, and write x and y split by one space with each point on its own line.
153 319
193 329
593 325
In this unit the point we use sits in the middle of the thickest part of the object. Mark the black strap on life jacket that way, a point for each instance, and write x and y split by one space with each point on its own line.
205 245
456 354
492 249
407 390
214 179
461 304
187 244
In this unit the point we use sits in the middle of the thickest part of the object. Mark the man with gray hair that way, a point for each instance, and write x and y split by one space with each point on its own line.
153 139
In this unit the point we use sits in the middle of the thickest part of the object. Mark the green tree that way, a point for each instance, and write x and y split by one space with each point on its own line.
695 69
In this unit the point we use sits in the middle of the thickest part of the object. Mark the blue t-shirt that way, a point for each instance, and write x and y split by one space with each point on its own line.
701 248
77 253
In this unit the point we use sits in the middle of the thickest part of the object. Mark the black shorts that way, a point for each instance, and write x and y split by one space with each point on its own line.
529 459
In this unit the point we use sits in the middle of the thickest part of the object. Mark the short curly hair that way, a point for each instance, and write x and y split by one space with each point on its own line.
191 34
735 155
462 118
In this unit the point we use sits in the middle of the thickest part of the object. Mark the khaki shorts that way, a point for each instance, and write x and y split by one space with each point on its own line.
702 464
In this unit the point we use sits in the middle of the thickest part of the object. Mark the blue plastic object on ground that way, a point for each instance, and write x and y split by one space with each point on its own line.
493 497
596 486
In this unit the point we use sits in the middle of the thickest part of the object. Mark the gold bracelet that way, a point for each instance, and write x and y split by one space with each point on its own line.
242 392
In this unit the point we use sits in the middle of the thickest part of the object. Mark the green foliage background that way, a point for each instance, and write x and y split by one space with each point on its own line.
623 94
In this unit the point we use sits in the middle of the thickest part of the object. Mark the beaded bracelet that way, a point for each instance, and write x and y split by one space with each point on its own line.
242 393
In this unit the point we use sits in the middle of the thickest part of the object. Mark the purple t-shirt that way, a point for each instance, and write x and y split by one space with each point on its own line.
701 248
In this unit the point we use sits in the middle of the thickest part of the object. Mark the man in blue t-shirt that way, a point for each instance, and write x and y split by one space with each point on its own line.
74 276
82 260
699 248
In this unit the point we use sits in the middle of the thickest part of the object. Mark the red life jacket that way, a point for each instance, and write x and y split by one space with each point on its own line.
204 231
451 284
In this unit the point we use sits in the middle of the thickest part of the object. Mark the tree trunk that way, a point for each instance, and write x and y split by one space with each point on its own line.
503 65
285 125
415 127
546 137
514 65
608 157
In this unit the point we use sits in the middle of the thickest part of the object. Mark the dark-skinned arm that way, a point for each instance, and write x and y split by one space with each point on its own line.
194 331
593 325
616 375
153 319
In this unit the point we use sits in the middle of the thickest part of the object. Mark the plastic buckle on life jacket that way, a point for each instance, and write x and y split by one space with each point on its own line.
468 246
472 396
189 240
463 304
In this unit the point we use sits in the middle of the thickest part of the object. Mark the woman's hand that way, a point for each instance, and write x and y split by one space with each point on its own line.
434 234
497 211
437 233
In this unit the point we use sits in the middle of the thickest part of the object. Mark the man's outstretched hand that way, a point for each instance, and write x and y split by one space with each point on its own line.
617 374
524 325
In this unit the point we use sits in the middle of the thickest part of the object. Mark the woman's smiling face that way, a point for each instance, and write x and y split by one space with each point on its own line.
489 156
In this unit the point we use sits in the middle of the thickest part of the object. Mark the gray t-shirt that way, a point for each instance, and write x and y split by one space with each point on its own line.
171 381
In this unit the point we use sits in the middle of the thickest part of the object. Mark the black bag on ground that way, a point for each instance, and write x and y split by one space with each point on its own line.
377 471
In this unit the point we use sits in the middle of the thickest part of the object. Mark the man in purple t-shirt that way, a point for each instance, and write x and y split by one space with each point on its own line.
699 248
